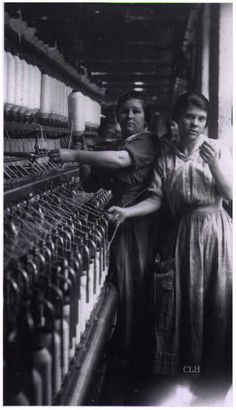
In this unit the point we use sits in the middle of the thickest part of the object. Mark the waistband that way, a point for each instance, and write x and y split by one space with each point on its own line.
207 208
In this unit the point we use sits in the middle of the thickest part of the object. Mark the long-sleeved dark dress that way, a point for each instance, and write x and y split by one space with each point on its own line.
134 246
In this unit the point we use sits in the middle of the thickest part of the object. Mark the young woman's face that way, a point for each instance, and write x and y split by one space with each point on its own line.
192 123
131 117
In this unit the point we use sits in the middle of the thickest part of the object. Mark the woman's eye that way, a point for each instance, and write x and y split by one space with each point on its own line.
188 116
126 112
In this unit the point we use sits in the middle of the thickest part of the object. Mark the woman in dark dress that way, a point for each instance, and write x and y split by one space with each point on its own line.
127 171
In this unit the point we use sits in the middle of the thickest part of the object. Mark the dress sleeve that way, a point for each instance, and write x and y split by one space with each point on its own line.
142 150
156 187
226 160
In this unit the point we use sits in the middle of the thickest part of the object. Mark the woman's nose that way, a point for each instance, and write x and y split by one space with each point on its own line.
194 121
130 114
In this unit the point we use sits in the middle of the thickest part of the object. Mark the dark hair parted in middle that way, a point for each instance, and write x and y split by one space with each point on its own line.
188 99
139 96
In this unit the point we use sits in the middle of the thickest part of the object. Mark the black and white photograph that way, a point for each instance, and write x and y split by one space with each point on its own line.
117 204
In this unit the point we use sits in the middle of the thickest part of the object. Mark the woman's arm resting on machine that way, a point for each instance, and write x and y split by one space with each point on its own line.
106 159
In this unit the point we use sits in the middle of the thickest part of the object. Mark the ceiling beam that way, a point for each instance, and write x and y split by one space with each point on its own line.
162 80
147 43
145 84
167 73
137 69
119 60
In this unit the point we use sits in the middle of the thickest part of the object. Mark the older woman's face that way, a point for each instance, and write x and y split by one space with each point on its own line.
131 117
192 123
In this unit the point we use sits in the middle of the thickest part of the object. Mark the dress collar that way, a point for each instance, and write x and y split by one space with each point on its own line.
199 142
131 137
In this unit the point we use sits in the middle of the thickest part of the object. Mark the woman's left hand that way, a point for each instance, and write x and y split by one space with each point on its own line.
208 153
117 214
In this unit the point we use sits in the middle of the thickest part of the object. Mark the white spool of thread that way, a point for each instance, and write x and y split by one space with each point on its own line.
63 92
64 106
76 112
37 88
25 87
64 102
98 114
88 111
34 89
5 77
53 98
31 86
18 81
59 101
45 100
58 98
95 115
68 92
57 108
10 82
92 112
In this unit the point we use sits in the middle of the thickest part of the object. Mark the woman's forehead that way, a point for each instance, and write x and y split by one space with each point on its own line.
132 102
194 109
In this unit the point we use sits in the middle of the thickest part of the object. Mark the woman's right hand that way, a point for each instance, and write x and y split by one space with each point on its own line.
61 155
117 214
